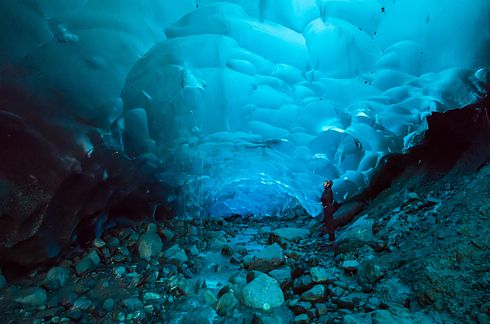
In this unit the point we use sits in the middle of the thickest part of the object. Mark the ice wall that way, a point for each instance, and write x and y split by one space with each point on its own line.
250 103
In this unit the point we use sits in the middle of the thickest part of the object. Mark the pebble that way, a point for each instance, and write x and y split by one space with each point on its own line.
152 297
302 319
56 278
88 263
350 265
82 303
33 296
132 303
315 294
108 304
176 255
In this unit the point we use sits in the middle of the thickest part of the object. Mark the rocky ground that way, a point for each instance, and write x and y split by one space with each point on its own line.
417 254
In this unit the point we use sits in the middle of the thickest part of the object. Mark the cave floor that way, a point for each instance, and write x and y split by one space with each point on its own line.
417 254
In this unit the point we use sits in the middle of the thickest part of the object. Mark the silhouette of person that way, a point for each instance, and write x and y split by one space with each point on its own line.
327 203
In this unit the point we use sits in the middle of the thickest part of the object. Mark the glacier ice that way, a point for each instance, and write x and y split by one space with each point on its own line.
250 104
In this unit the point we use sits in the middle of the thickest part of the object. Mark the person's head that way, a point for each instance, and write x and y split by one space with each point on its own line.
327 184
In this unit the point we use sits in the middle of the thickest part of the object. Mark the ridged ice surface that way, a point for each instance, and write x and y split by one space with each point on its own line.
253 103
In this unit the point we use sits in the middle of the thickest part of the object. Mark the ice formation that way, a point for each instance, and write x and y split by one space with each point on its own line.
251 104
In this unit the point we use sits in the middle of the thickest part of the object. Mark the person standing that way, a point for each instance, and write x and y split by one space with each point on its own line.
327 203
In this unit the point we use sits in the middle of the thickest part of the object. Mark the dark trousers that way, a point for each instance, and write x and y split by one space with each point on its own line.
328 222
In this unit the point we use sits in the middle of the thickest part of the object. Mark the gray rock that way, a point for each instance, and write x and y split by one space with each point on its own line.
169 235
119 271
290 234
356 235
226 304
369 272
108 304
323 275
175 254
315 294
88 263
215 244
56 278
355 319
82 303
392 290
152 297
267 259
150 243
3 281
32 296
263 293
193 250
382 316
302 319
302 284
299 307
350 265
282 275
132 303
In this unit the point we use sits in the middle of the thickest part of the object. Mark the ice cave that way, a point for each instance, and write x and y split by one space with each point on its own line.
181 161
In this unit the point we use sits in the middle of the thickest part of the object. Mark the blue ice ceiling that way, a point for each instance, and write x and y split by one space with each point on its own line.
251 104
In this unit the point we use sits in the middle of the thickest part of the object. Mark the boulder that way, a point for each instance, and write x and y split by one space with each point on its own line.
355 235
88 263
290 234
175 254
323 275
56 278
263 293
267 259
315 294
150 243
226 304
282 275
34 296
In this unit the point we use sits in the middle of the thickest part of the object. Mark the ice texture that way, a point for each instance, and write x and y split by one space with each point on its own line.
251 104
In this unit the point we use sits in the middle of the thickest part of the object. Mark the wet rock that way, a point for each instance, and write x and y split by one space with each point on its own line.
302 284
132 303
315 294
82 303
99 243
290 234
34 296
176 255
168 234
226 304
302 319
299 307
151 297
119 271
150 243
88 263
350 301
193 250
75 314
216 244
3 281
354 319
392 290
56 278
282 275
350 265
108 304
369 272
356 235
263 292
267 259
323 275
